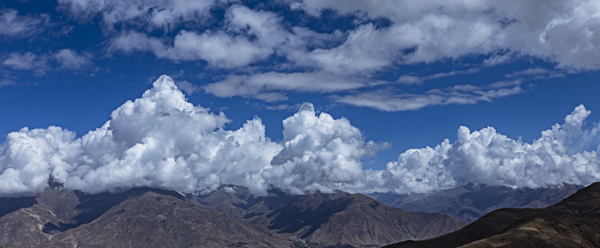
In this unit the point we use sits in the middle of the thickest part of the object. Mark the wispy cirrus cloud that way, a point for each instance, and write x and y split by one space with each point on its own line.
271 86
64 59
13 25
458 94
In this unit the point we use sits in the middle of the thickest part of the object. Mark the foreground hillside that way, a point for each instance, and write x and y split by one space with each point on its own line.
573 222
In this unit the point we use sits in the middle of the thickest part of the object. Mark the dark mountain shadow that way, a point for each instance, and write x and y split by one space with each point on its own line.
275 199
10 205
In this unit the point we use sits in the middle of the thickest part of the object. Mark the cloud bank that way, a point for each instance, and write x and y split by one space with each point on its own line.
563 154
161 140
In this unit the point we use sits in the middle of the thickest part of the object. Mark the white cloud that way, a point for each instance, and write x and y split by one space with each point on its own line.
69 59
271 86
155 14
536 73
29 156
249 36
7 82
15 26
161 140
409 79
565 32
40 63
458 94
412 79
219 49
27 61
188 87
423 32
319 153
561 155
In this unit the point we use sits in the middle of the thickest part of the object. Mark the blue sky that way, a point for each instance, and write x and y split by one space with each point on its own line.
404 74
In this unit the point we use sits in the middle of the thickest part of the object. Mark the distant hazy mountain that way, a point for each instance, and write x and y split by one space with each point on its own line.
470 202
136 218
573 222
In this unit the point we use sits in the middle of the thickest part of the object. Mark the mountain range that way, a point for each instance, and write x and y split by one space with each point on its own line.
573 222
470 202
338 219
233 217
228 217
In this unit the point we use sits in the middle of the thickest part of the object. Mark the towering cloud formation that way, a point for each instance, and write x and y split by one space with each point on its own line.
319 153
565 153
161 140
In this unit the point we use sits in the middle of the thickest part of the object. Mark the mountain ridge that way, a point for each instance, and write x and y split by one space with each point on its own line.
470 202
577 217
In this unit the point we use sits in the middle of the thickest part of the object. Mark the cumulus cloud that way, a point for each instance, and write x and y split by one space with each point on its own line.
563 154
458 94
161 140
319 153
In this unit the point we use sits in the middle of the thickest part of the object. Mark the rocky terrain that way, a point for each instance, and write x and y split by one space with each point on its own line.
228 217
355 220
470 202
573 222
136 218
339 219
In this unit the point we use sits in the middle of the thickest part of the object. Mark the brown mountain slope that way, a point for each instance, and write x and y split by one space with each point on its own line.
546 231
470 202
154 219
25 225
239 203
138 218
344 220
573 222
